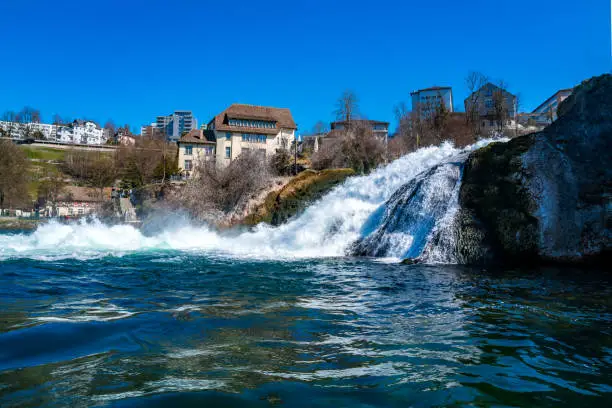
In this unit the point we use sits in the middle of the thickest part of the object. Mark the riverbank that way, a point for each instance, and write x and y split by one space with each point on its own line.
19 224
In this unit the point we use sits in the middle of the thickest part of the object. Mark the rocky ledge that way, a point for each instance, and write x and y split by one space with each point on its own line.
544 197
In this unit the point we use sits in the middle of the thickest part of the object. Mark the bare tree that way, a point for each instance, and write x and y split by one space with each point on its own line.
356 147
215 193
501 105
347 106
102 173
319 128
13 171
474 82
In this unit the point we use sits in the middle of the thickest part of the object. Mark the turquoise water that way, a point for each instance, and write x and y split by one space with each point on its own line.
176 328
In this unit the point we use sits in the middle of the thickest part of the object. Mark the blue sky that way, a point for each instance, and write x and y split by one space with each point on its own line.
132 60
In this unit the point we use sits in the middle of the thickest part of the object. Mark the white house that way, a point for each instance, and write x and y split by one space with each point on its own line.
81 132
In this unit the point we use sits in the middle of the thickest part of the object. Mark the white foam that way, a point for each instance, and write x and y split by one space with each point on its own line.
325 229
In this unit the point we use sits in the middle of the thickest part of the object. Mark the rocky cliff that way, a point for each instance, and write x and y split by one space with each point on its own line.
544 197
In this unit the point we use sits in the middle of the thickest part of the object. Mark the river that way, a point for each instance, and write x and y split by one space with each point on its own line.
176 328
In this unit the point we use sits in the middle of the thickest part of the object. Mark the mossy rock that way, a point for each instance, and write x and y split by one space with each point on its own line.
291 200
494 194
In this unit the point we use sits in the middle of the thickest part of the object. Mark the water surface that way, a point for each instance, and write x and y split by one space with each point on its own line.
178 328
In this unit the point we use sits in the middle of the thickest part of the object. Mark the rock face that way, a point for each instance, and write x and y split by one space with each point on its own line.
294 198
544 197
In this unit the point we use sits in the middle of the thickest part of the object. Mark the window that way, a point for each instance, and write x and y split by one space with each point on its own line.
228 136
188 150
208 150
188 165
228 152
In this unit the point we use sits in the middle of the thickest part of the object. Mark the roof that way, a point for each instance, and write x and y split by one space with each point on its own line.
568 90
282 117
369 121
489 85
199 136
84 194
433 88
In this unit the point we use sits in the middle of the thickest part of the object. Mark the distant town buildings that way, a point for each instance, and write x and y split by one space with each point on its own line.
78 132
176 124
546 112
76 201
425 102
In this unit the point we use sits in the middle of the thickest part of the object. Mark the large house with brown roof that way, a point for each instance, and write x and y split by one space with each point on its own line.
241 128
237 129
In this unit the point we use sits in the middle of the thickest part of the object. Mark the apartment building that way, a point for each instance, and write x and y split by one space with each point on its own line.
426 101
17 130
546 112
176 124
241 128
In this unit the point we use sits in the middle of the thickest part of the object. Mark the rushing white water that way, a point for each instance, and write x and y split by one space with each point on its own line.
327 228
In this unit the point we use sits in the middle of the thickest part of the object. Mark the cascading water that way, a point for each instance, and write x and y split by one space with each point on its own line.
402 227
421 188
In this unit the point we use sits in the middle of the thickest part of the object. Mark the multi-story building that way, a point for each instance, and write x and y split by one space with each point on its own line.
546 112
194 148
488 102
176 124
82 132
241 128
426 101
17 130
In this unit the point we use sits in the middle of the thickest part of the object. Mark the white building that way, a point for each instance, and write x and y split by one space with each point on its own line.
81 132
28 130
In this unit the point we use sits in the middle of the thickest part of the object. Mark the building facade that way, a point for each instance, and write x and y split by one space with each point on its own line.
241 128
546 112
426 101
17 130
194 148
486 104
82 132
176 124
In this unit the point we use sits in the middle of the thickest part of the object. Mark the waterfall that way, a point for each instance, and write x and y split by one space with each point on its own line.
404 225
391 212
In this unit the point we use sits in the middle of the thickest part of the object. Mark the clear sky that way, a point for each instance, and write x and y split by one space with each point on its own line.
132 60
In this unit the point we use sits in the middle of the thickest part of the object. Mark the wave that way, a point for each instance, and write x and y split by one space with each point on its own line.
327 228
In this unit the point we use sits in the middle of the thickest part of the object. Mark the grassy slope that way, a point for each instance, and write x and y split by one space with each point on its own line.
43 163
